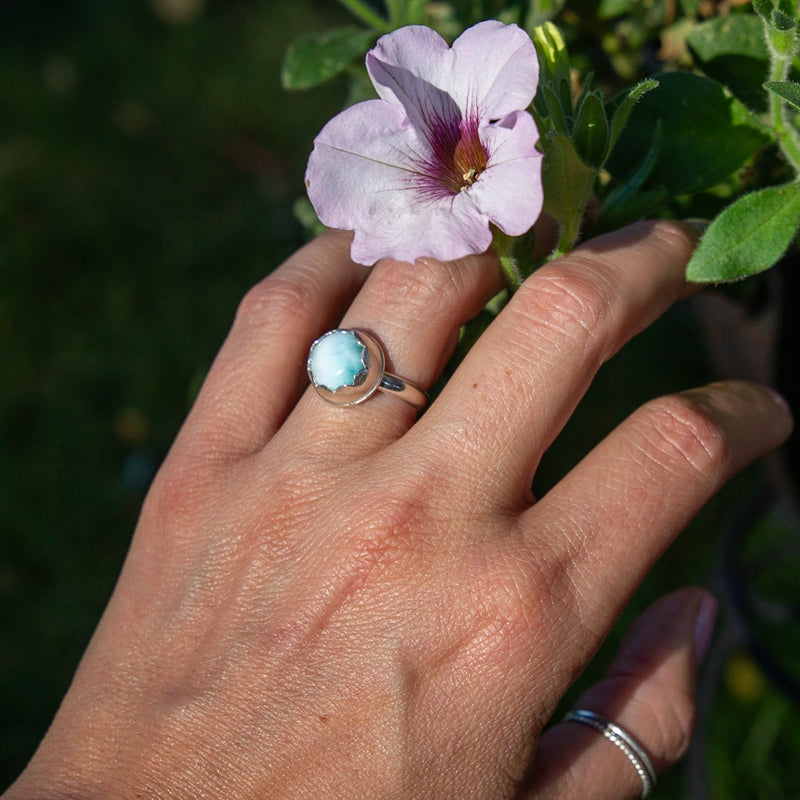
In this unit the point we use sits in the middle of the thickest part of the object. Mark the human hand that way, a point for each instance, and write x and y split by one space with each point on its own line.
352 603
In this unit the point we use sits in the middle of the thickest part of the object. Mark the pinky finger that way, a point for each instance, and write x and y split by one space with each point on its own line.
648 691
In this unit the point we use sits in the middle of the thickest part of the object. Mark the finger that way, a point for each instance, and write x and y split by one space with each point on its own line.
648 691
259 373
535 362
598 532
415 311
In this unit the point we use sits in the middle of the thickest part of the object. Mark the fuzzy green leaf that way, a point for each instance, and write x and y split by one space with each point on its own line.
554 110
628 202
315 58
566 180
788 91
590 132
624 109
748 237
708 134
733 51
782 22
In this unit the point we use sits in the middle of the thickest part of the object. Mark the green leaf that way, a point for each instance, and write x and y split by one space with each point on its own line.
315 58
624 109
782 22
566 180
748 237
627 202
763 7
733 51
788 91
607 9
708 134
590 132
304 213
540 11
554 110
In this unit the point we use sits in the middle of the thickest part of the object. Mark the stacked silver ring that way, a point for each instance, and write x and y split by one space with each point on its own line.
623 740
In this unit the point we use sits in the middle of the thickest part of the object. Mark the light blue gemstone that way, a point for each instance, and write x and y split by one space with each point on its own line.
338 359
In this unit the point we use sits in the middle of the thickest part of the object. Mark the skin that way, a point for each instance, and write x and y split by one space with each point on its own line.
350 603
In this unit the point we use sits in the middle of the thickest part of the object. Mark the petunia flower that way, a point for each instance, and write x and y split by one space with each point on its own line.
447 149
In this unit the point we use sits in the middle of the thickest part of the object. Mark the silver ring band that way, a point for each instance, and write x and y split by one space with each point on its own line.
623 740
346 367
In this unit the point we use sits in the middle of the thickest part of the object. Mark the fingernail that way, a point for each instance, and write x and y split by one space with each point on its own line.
700 225
704 621
779 399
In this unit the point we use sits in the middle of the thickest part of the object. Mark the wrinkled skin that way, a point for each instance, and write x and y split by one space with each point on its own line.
350 603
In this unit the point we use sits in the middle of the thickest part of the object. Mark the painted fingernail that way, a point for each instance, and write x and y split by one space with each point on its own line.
704 621
779 399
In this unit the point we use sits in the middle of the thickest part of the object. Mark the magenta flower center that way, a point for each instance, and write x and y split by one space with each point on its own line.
459 156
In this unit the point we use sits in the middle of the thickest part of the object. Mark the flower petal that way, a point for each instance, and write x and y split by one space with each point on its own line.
362 162
509 191
492 68
363 175
496 67
446 229
410 68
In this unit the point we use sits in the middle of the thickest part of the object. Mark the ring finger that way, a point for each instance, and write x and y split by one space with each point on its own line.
415 312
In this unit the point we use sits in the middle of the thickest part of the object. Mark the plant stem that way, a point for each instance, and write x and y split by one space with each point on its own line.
781 56
567 236
366 14
503 246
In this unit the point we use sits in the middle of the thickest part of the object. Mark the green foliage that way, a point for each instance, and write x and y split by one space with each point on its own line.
788 91
315 58
677 142
590 132
625 108
541 11
733 51
749 236
707 134
577 137
568 183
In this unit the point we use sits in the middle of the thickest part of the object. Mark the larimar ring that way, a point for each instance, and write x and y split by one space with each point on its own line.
347 366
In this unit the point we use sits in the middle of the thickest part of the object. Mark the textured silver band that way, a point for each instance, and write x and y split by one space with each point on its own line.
623 740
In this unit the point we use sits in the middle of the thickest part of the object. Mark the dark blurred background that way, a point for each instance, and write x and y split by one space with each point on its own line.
149 161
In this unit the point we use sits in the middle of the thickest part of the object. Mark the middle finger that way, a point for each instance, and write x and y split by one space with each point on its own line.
521 382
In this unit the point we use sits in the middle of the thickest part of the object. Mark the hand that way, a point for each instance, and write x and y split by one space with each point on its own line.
350 603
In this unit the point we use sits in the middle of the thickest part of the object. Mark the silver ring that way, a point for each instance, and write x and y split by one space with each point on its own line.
622 739
346 366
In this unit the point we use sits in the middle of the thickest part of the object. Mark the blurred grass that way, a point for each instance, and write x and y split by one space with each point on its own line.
147 171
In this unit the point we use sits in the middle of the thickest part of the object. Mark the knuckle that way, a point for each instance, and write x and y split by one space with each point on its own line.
671 724
576 299
684 432
423 286
277 301
178 498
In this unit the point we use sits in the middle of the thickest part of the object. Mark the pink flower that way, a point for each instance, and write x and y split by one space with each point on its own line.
446 150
